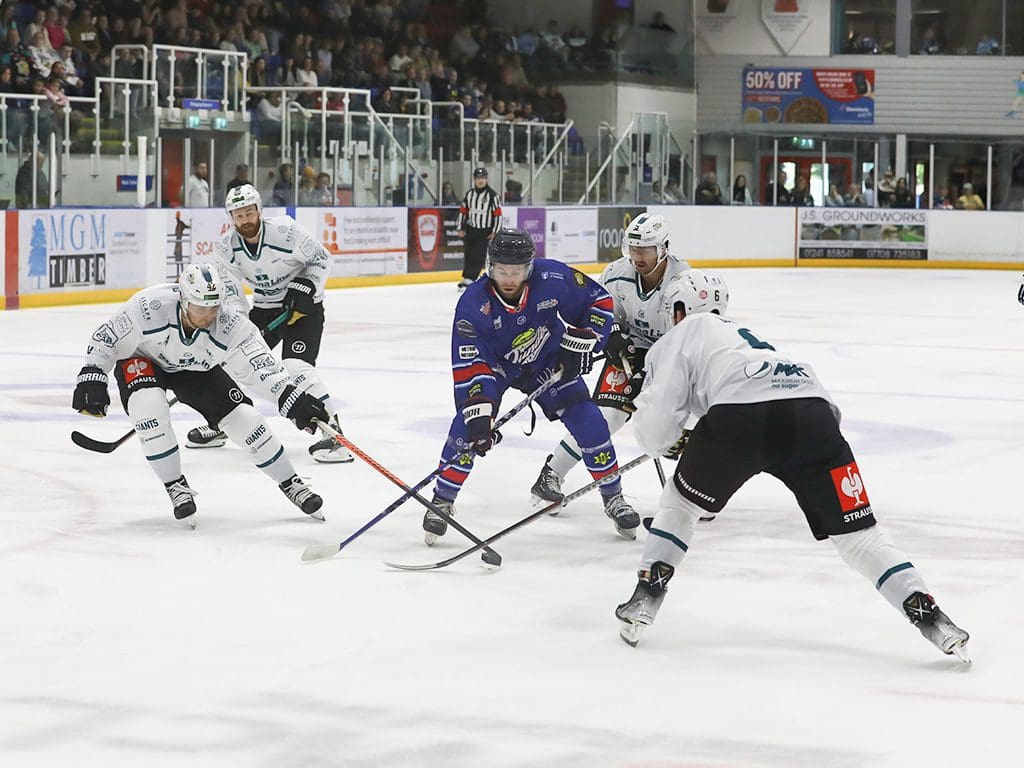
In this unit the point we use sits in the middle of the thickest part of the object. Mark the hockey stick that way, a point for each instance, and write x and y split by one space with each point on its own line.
491 557
549 509
323 551
99 446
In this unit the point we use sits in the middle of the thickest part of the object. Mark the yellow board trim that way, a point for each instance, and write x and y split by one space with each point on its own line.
33 300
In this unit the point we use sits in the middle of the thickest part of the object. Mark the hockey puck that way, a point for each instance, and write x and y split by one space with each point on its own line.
491 559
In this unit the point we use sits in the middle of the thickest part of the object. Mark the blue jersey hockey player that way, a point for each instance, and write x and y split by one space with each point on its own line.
509 333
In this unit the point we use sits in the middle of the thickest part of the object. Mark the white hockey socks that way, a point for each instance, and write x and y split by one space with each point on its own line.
872 554
672 529
249 430
152 416
308 380
567 453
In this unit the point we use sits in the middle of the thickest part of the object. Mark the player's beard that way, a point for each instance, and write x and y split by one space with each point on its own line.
249 230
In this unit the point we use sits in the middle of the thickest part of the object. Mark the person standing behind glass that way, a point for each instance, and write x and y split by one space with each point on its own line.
834 199
741 192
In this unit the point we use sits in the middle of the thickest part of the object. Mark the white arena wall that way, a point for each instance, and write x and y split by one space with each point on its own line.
87 255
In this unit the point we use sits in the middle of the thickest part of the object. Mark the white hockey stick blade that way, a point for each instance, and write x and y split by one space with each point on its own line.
317 552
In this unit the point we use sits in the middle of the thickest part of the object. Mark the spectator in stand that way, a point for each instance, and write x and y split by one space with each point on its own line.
801 194
869 190
741 192
307 187
23 183
60 106
524 42
83 34
942 200
673 190
56 27
902 198
782 197
552 44
323 194
463 47
197 194
241 177
930 45
969 200
708 192
988 46
448 196
659 23
834 198
853 197
887 189
284 189
17 56
305 76
69 75
43 55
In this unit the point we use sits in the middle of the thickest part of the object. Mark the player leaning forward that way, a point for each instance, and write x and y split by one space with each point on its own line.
287 270
509 333
758 412
636 283
177 337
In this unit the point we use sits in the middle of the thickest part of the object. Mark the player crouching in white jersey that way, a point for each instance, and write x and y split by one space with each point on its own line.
287 269
176 337
758 412
636 284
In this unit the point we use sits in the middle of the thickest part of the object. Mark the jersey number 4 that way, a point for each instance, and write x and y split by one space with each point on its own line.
753 341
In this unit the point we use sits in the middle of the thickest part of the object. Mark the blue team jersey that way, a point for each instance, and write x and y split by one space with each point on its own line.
491 339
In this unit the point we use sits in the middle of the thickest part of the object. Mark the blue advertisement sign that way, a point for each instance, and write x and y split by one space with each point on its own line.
796 95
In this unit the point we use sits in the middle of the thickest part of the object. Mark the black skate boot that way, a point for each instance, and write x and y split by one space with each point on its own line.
301 496
205 437
548 488
637 613
330 451
435 527
181 497
623 515
936 626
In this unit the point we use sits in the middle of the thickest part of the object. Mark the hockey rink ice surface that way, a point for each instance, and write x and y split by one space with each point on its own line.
128 640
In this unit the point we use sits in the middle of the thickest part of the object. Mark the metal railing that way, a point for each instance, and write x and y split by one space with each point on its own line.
233 65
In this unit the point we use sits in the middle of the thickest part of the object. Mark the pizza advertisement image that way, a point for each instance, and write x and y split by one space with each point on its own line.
808 96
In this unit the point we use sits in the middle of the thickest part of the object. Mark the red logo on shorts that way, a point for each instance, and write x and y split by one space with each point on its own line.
849 487
136 367
614 380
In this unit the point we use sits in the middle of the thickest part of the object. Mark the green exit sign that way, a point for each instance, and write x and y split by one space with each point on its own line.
193 121
220 123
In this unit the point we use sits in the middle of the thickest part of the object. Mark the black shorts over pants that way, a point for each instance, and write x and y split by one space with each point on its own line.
213 393
797 441
301 338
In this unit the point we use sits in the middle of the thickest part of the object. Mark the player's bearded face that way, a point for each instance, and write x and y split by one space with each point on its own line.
644 258
247 221
509 279
200 317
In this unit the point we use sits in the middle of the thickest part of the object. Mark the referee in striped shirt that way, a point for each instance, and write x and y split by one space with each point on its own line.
479 221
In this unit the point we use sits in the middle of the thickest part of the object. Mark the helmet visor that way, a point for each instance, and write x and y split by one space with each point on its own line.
509 273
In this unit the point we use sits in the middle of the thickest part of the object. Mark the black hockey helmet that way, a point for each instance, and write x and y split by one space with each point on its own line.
512 247
479 172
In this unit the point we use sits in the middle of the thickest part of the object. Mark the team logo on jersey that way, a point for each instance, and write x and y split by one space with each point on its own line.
757 370
615 380
105 335
485 308
547 304
849 487
579 278
298 347
138 368
465 328
703 294
263 361
155 305
468 352
235 395
521 320
527 345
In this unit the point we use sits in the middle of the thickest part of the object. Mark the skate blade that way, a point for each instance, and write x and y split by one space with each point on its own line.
626 533
960 651
539 502
630 632
188 523
332 457
213 444
318 515
429 538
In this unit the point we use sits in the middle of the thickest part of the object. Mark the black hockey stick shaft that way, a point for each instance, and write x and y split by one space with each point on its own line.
525 521
99 446
660 470
323 551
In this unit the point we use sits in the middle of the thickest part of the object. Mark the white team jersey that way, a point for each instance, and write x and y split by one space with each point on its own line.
707 360
149 325
643 316
284 250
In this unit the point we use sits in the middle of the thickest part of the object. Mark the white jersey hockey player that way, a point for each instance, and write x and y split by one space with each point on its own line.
758 411
287 269
636 283
191 339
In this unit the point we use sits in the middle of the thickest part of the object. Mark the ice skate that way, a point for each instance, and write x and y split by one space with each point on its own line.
329 450
937 626
205 437
301 496
638 613
181 497
434 527
548 488
623 515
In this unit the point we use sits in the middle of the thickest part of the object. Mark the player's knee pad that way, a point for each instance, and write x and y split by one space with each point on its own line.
249 430
146 403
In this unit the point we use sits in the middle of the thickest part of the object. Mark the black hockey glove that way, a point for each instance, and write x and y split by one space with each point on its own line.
676 450
620 349
574 357
299 296
301 408
91 396
478 413
1020 293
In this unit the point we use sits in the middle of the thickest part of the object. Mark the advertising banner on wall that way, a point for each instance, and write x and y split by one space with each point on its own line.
361 241
66 250
611 224
862 233
784 95
434 245
190 233
571 234
787 20
532 221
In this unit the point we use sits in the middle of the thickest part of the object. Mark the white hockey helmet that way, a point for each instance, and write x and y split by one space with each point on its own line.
242 197
698 291
647 229
201 285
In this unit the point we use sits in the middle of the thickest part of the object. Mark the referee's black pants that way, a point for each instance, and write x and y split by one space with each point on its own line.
475 250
